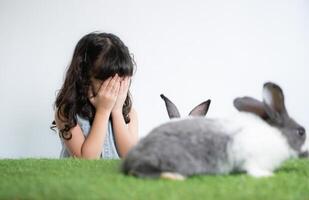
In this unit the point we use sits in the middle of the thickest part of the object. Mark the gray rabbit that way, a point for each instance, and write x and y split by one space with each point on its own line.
256 141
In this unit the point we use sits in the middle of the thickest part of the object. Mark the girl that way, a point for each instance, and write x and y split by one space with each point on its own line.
94 113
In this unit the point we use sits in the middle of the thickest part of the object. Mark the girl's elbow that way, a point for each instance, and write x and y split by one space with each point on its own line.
88 155
85 155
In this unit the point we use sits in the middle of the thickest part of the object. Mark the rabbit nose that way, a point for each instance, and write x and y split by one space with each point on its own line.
304 154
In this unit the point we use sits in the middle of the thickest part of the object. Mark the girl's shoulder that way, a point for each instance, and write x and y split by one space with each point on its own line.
59 119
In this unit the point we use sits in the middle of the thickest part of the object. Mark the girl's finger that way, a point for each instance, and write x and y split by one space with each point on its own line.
90 93
116 88
108 87
127 83
106 83
103 86
128 80
91 96
112 82
122 86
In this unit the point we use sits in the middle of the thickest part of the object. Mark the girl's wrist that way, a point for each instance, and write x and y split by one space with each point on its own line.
117 112
103 112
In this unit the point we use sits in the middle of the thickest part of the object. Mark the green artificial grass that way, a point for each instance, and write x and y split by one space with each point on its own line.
101 179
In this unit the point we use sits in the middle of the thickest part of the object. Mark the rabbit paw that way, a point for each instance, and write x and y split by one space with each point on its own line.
172 176
259 173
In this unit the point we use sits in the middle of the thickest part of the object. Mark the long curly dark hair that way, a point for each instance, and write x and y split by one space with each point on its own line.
96 55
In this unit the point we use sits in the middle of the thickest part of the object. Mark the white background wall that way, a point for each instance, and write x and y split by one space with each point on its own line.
188 50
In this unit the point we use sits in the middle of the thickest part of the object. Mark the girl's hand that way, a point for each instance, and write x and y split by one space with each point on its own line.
122 95
106 97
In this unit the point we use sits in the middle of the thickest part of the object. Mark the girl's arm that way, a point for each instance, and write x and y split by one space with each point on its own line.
91 147
126 135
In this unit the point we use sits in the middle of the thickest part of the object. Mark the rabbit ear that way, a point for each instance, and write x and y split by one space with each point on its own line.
249 104
201 109
170 107
273 97
274 102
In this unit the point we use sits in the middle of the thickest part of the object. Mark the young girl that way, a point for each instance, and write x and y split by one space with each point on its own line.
94 113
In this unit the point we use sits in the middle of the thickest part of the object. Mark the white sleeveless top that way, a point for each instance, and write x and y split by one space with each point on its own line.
109 150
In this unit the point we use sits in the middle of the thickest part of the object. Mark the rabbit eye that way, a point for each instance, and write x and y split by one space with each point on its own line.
301 131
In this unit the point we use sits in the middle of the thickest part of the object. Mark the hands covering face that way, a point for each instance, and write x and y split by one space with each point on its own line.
111 94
